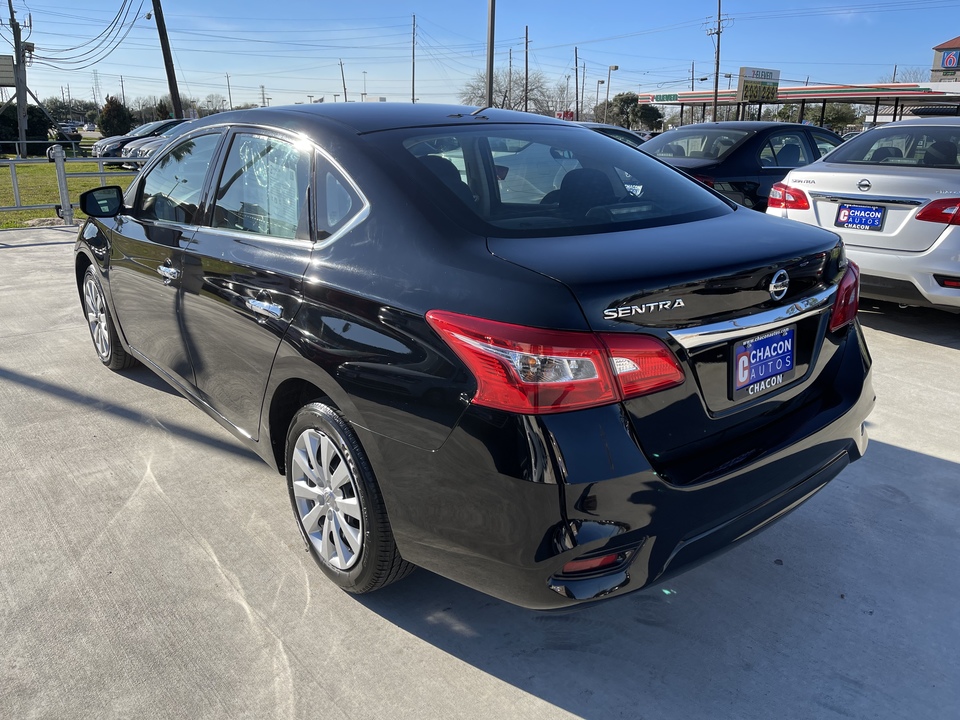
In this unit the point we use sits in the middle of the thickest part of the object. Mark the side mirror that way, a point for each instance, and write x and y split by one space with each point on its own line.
102 202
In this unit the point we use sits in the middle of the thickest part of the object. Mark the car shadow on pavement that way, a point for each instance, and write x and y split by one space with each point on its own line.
818 616
928 325
141 375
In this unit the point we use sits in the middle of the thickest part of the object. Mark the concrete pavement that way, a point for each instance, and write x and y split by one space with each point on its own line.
150 567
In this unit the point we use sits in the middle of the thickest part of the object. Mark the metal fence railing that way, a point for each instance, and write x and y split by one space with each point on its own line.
64 208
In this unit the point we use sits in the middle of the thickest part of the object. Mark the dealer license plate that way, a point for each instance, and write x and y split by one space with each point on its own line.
860 217
763 363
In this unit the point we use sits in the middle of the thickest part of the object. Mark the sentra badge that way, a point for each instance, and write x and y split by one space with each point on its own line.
647 308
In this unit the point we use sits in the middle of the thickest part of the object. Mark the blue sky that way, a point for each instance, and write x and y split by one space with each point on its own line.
293 48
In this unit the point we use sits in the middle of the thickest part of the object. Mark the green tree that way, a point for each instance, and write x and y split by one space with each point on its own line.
624 110
37 128
115 118
839 115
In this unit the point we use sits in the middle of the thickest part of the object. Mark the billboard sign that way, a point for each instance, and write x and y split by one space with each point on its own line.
758 85
7 78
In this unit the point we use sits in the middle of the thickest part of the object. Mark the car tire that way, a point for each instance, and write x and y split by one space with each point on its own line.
337 503
106 340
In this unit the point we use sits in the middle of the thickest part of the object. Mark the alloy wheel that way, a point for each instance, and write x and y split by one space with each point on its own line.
327 499
95 305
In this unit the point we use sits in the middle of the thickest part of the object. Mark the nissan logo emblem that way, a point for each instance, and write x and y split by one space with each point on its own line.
779 284
864 185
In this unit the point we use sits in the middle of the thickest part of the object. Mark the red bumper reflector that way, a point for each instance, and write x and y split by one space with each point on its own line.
590 564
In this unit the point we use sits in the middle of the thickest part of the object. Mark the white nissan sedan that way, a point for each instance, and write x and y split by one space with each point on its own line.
893 195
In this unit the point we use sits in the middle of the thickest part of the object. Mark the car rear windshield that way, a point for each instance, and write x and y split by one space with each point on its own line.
710 143
914 145
528 180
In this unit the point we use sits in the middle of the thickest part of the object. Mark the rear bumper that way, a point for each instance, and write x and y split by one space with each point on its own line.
508 500
909 278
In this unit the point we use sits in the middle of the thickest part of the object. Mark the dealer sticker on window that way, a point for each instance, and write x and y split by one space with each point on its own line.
763 363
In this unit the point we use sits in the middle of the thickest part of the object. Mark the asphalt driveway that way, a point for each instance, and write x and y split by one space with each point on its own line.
150 567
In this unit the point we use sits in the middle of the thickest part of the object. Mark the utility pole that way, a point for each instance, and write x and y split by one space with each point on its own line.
576 85
413 63
491 14
363 95
20 83
716 68
167 60
510 78
343 79
123 94
526 68
229 94
263 96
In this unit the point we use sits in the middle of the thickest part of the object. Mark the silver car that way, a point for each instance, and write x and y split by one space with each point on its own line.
893 195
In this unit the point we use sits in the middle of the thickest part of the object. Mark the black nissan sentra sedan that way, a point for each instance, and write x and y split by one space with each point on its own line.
501 347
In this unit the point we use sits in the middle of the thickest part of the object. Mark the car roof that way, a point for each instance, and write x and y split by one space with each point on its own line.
375 116
935 121
753 125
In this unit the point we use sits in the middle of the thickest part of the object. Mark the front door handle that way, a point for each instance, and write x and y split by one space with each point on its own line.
267 309
169 274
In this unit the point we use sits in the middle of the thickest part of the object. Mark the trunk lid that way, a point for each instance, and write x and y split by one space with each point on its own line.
717 269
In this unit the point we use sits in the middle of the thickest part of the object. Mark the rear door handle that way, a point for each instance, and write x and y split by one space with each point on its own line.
267 309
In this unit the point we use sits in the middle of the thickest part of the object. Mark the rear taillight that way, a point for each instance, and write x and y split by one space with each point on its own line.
705 179
788 198
848 298
944 210
535 371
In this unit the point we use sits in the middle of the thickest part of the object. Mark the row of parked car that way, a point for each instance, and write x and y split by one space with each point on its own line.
892 193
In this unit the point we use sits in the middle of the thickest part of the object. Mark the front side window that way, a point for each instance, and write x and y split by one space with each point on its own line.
171 188
915 145
264 188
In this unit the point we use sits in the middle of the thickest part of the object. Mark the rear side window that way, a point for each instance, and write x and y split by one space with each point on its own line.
338 201
526 180
697 143
922 146
784 150
825 143
264 188
171 189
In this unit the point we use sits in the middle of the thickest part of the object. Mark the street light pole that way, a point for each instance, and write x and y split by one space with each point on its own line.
606 104
599 83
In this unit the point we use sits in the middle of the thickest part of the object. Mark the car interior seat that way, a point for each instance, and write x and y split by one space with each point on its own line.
448 174
583 189
942 152
882 153
789 155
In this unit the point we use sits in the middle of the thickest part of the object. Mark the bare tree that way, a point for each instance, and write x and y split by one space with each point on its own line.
215 102
542 99
908 75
